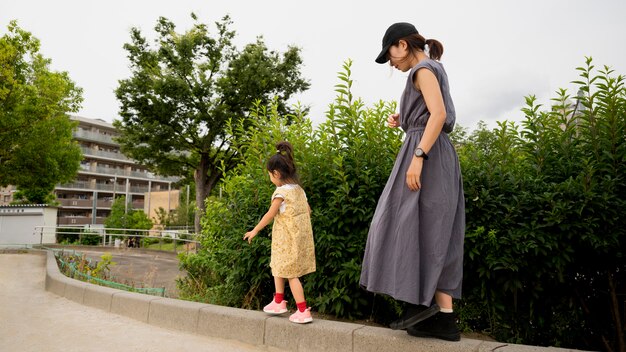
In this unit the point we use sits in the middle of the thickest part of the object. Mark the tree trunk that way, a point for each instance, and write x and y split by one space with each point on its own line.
205 177
200 177
619 332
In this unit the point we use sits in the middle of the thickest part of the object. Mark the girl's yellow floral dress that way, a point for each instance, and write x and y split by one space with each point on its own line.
293 250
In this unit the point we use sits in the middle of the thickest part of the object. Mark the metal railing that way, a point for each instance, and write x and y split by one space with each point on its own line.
123 238
121 189
105 154
93 136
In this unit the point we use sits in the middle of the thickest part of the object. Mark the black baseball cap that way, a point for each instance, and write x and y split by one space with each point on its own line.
394 33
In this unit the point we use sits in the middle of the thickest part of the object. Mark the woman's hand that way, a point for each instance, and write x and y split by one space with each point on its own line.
414 174
250 235
393 120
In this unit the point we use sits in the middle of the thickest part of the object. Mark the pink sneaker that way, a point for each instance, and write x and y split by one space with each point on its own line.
276 308
301 317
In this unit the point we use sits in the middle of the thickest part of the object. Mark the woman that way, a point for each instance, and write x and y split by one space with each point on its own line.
414 250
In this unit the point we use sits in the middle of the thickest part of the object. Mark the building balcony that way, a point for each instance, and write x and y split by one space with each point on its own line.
79 220
138 205
85 185
94 137
85 203
105 188
77 203
104 154
124 173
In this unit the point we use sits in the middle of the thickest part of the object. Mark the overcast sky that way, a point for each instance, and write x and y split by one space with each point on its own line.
495 51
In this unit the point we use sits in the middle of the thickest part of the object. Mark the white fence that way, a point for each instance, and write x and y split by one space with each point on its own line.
120 238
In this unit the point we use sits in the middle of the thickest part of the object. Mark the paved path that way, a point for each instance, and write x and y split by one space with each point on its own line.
32 319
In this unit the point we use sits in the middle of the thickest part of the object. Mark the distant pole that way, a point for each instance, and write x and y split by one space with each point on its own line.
127 196
169 192
187 210
149 212
114 186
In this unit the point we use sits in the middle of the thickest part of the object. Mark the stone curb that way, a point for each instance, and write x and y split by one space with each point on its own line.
256 327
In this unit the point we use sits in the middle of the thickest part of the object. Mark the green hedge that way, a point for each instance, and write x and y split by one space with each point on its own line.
544 242
545 232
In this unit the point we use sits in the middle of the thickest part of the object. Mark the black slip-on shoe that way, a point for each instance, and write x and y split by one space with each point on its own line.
441 326
413 315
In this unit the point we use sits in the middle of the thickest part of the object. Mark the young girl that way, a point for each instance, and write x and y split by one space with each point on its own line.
293 252
414 250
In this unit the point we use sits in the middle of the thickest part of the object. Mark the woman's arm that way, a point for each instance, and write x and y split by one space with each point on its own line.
267 218
426 81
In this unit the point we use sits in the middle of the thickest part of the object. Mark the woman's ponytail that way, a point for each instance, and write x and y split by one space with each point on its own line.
417 42
435 49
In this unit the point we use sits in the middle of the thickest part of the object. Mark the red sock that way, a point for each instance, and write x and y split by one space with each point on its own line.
301 306
278 297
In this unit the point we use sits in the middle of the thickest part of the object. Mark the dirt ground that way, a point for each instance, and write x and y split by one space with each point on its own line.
139 268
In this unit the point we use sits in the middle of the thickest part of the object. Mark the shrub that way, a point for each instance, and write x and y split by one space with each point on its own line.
544 240
78 236
343 165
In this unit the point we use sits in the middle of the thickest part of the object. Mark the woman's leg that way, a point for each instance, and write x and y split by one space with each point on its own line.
441 325
444 300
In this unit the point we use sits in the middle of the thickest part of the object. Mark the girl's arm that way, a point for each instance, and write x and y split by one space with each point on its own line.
267 218
427 83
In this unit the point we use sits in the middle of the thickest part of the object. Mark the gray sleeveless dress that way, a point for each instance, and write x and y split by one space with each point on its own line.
415 242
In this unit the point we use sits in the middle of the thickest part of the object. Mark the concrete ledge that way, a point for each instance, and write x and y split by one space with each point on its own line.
488 346
218 321
132 305
175 314
55 281
321 335
256 327
99 297
75 290
374 339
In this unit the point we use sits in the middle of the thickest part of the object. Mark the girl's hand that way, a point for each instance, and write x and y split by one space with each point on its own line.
250 235
267 218
414 174
393 120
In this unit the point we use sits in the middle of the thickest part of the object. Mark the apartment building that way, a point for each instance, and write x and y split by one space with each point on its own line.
6 195
104 174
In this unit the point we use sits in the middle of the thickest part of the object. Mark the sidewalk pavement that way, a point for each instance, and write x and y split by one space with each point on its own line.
256 328
33 320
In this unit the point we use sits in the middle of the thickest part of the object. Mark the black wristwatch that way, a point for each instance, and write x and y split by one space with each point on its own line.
420 153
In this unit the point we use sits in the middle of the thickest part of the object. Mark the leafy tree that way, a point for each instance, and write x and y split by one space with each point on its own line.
123 217
36 146
182 216
184 92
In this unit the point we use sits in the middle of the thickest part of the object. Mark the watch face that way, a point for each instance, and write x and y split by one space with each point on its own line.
420 154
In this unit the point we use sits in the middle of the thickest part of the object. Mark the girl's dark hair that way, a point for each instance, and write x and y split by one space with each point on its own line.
417 41
283 162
